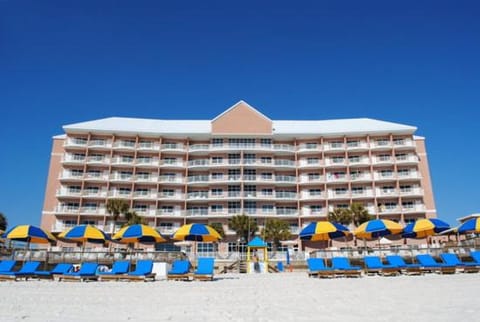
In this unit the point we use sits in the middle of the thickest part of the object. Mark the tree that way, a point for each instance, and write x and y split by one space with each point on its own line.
276 230
3 222
243 225
359 214
133 218
116 208
218 226
340 215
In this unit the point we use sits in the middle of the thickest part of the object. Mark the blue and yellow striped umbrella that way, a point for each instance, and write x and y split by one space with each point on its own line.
196 232
29 234
323 230
138 233
376 228
424 227
470 226
84 233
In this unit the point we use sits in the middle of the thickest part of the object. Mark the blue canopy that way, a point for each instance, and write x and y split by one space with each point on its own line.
257 242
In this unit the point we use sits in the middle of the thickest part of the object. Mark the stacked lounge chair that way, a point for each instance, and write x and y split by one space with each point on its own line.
180 270
6 266
28 270
475 256
205 269
428 263
452 259
374 265
316 267
409 269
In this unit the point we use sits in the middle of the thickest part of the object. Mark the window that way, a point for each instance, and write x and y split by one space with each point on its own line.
386 173
128 143
401 157
388 189
72 205
168 192
266 160
316 208
234 191
267 192
217 160
249 158
74 189
357 190
354 159
267 176
140 208
384 157
90 206
313 176
408 204
353 144
78 156
216 142
98 142
250 207
80 141
124 191
403 172
141 191
170 160
146 144
312 160
167 209
126 158
336 145
92 190
143 175
88 222
217 176
216 208
338 159
233 207
342 206
267 209
399 141
144 160
355 174
76 173
406 188
311 145
340 191
94 173
125 174
96 157
382 142
217 192
266 142
315 192
390 205
234 158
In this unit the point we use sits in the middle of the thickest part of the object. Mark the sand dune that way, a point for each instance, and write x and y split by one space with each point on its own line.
256 297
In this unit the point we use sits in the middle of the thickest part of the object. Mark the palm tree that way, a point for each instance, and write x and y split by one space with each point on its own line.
3 222
243 225
276 230
218 226
116 207
340 215
133 218
359 214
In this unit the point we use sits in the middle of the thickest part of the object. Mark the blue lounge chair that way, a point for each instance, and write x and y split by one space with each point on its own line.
87 272
342 266
180 270
475 256
409 269
374 265
28 270
119 269
7 266
316 267
59 269
142 272
452 259
280 267
428 263
205 269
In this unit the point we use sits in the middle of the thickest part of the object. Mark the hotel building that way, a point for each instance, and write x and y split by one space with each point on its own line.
173 172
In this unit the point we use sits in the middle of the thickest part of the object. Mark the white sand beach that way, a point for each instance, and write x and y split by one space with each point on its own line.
256 297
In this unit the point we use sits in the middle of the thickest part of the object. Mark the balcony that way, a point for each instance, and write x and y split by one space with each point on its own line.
382 161
414 208
279 179
148 146
305 164
100 144
316 196
96 176
409 159
334 147
64 192
94 193
319 213
330 162
97 160
204 148
357 146
145 212
363 177
123 161
404 144
124 145
409 175
363 194
93 211
175 196
121 177
285 195
62 209
141 195
171 179
73 159
306 148
67 175
359 162
174 213
147 162
146 178
336 178
417 191
75 143
173 147
332 194
381 145
120 194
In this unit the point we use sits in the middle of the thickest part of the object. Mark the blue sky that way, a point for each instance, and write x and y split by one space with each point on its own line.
412 62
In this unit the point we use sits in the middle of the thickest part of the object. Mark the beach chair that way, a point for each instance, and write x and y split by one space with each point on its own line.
428 264
475 256
119 269
408 269
180 270
87 272
142 272
452 259
374 265
205 269
6 266
316 267
28 269
59 269
280 267
342 266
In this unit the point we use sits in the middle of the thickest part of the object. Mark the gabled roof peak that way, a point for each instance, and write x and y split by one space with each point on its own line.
239 104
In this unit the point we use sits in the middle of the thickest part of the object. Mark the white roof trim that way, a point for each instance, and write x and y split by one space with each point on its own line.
238 103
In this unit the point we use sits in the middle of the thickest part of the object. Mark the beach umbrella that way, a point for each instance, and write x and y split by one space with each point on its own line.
83 234
138 233
196 232
377 228
470 226
29 234
422 228
323 230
